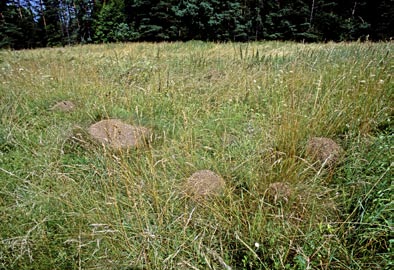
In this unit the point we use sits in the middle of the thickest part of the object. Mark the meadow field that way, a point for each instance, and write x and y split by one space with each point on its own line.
243 110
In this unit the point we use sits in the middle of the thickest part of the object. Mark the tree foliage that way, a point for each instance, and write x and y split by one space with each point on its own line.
37 23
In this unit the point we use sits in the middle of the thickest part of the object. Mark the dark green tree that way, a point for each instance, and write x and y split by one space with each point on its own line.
380 14
191 17
110 22
17 26
287 20
153 20
228 22
213 20
354 25
49 20
324 20
32 23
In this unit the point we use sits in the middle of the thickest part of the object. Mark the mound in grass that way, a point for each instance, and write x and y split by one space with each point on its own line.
116 134
278 192
324 151
214 75
63 106
204 183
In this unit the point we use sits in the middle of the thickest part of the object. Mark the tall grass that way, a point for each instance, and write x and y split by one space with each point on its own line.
244 111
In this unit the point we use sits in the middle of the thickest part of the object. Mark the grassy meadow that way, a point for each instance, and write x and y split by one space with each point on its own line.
244 111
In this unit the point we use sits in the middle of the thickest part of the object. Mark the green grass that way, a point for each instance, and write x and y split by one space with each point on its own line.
242 110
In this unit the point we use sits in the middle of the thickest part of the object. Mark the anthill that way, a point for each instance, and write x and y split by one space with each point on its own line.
64 106
204 183
117 134
278 192
324 151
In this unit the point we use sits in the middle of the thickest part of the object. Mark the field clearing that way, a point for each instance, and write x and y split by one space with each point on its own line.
244 111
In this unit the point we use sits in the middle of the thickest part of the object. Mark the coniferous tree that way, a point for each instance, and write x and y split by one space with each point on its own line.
353 24
153 20
228 22
10 32
110 23
84 19
188 13
164 22
53 33
32 23
380 14
324 20
17 26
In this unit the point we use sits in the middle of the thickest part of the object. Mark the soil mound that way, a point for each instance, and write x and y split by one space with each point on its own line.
115 133
278 192
204 183
63 106
324 151
214 75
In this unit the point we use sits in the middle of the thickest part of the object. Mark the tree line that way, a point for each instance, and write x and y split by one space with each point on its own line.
42 23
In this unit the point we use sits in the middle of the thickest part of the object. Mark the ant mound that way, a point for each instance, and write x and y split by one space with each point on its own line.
204 183
278 192
213 75
63 106
324 151
116 134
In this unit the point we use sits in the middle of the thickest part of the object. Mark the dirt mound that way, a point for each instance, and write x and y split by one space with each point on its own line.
64 106
324 151
278 192
204 183
115 133
213 75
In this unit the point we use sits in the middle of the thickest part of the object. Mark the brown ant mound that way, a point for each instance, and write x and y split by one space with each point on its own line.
278 192
63 106
204 183
116 134
324 151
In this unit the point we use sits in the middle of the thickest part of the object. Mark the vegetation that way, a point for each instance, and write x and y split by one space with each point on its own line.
242 110
42 23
